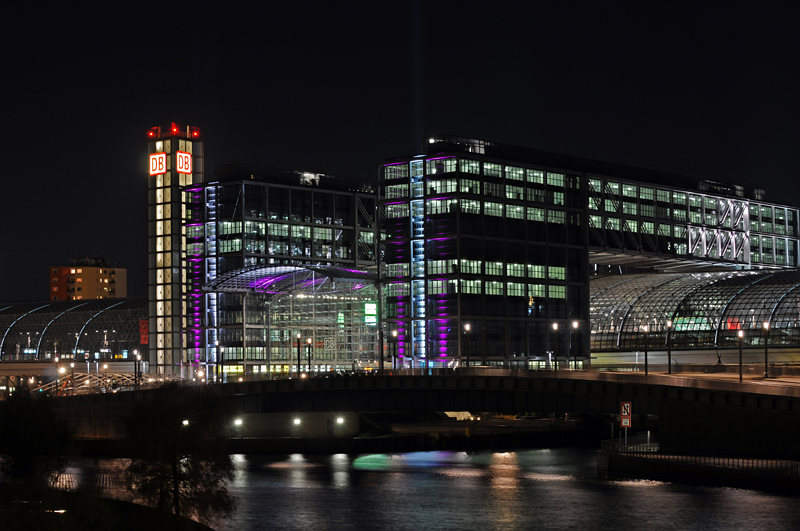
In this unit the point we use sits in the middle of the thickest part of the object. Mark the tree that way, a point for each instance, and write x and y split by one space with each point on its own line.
35 443
178 448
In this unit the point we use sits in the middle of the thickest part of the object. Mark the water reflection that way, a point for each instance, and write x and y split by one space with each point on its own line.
528 489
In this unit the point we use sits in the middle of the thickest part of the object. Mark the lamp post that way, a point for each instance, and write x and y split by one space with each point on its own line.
646 344
574 351
555 346
394 340
136 359
308 341
669 348
766 349
72 377
466 329
298 354
741 336
105 379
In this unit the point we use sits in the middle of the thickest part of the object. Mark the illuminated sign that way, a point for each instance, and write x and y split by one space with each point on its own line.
183 162
158 163
370 313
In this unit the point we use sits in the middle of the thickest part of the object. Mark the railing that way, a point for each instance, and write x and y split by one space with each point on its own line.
643 446
103 383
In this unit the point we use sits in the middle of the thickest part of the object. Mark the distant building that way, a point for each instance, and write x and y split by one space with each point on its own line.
88 278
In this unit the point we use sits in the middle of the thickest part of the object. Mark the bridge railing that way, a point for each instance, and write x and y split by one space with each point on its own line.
644 446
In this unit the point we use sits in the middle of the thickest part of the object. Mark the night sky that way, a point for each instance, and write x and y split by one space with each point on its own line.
335 87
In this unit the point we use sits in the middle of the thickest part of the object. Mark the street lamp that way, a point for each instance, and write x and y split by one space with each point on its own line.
298 354
394 358
309 356
467 329
741 337
555 345
669 348
72 376
646 344
574 351
766 349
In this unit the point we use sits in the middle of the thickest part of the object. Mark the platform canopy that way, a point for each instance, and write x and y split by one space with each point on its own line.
283 280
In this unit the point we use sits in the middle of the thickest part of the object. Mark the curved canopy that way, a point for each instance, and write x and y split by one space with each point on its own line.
280 280
107 328
706 310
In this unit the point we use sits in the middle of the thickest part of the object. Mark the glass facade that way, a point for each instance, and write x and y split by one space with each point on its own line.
256 218
82 330
706 310
497 244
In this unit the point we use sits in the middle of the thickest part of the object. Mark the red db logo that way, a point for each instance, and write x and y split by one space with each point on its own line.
184 161
158 163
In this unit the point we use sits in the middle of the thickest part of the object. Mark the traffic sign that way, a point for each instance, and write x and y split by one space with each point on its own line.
330 343
625 414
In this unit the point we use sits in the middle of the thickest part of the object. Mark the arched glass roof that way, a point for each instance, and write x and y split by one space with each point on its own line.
281 280
706 309
104 328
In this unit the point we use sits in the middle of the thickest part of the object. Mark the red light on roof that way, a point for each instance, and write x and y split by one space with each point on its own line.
151 133
195 133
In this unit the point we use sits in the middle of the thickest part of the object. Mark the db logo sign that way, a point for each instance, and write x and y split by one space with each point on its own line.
183 161
158 163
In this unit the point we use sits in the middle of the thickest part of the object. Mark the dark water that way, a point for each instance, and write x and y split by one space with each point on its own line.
529 489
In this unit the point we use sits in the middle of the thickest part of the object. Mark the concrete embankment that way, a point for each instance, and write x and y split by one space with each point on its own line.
769 476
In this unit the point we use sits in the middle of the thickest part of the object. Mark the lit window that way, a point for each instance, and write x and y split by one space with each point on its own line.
79 279
469 166
557 292
72 271
516 289
494 288
555 179
492 170
535 176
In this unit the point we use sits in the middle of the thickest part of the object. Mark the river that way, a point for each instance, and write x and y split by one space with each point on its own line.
526 489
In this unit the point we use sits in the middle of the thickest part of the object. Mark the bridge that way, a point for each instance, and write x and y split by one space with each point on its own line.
693 414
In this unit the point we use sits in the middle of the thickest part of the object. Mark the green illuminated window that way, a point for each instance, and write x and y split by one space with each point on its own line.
471 286
515 289
396 171
629 208
535 214
646 193
612 223
470 206
515 270
470 186
647 227
469 166
471 267
397 191
555 179
679 198
514 192
397 211
494 268
494 287
535 176
493 209
629 190
493 189
535 271
557 292
536 290
437 166
663 196
536 196
514 173
515 212
556 272
492 170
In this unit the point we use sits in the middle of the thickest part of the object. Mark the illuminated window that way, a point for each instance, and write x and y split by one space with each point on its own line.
78 279
629 190
397 270
534 176
397 191
556 272
629 208
470 206
555 198
55 288
438 287
494 268
440 166
471 287
535 271
469 166
535 214
493 209
646 193
535 290
492 170
515 270
647 227
555 179
396 171
516 289
515 212
514 192
471 267
536 195
514 173
612 223
557 292
470 186
397 211
494 288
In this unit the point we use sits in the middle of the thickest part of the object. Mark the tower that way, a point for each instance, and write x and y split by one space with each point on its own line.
175 161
